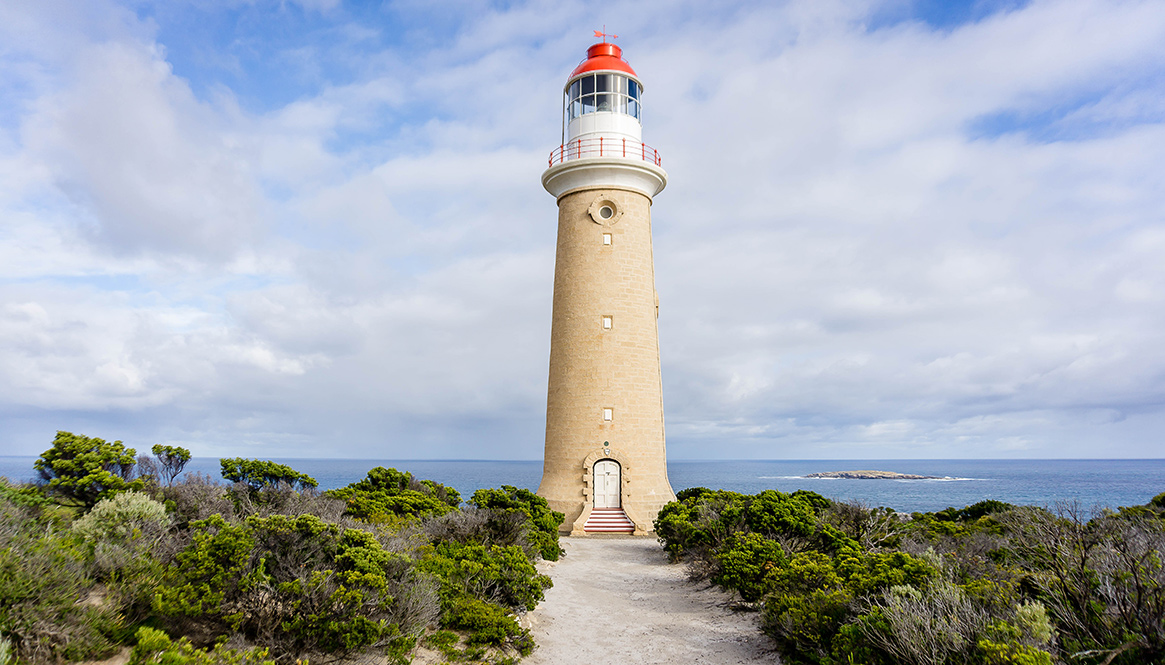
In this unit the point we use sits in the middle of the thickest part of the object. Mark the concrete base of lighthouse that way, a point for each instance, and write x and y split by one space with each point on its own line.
605 397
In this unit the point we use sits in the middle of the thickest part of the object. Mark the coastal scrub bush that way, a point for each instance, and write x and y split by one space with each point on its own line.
258 474
154 646
166 464
987 584
171 461
487 624
127 520
43 583
704 527
283 499
121 534
748 564
699 521
959 523
932 627
297 584
542 522
772 512
1102 580
872 528
196 497
81 470
483 527
500 574
1158 501
386 494
24 496
1022 641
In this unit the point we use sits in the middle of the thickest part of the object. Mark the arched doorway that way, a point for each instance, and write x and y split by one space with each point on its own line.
607 484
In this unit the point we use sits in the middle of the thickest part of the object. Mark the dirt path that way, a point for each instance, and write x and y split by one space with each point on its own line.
617 600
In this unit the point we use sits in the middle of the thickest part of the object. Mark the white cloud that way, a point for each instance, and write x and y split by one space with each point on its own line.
156 168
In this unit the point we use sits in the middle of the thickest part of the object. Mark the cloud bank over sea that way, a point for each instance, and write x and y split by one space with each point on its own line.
316 229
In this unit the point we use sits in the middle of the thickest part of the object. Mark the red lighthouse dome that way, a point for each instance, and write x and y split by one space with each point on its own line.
604 56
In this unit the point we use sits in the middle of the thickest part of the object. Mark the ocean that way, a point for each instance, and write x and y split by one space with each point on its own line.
1091 483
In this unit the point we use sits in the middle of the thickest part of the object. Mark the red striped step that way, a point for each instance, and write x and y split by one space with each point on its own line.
608 520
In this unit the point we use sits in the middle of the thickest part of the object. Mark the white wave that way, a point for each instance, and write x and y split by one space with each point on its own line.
794 478
944 479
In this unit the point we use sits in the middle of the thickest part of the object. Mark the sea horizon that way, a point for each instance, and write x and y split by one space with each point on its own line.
1091 482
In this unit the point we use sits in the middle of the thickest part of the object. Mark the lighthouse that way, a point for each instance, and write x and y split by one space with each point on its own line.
605 464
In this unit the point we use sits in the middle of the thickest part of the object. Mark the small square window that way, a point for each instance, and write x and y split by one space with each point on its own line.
608 414
606 323
606 238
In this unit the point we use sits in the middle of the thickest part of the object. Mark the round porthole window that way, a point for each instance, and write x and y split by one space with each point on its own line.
604 211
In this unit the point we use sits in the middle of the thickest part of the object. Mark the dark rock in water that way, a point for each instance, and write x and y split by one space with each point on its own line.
871 475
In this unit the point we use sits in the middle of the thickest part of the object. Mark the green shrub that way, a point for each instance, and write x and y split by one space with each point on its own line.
387 493
83 470
154 646
122 533
26 496
673 525
297 584
1158 501
746 566
399 649
258 474
980 517
487 624
804 625
446 642
700 522
772 513
124 519
929 626
1021 642
543 522
43 574
172 460
503 575
994 653
867 572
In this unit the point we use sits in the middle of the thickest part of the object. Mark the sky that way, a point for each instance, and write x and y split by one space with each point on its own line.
315 228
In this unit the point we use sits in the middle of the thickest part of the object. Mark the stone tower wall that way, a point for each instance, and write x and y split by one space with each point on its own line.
592 368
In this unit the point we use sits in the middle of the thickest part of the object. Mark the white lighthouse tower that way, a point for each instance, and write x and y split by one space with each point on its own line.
605 464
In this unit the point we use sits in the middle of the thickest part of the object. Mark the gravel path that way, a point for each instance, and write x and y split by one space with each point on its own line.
617 600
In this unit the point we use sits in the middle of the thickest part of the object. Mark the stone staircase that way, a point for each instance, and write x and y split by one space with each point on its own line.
608 520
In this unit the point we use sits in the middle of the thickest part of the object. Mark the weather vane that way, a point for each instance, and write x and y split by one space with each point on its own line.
604 34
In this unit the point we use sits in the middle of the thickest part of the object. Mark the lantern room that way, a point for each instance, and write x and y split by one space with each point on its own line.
602 106
603 97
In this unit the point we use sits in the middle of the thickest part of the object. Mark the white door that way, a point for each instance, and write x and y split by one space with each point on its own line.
606 477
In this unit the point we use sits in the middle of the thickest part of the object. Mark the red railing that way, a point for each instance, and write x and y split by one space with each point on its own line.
605 147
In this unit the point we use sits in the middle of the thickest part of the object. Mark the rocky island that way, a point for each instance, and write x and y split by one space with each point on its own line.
871 475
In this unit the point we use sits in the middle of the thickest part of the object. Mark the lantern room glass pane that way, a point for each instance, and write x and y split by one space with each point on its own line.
603 83
588 104
633 108
605 102
574 90
620 103
588 84
575 109
633 89
621 84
